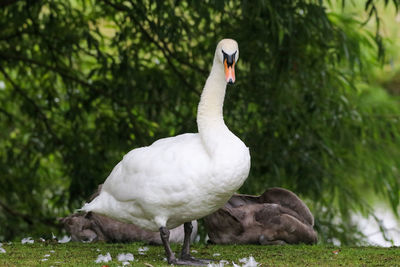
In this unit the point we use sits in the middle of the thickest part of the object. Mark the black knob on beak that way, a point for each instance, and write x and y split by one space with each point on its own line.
230 59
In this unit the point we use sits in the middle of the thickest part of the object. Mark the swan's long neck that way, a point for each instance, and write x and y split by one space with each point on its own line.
210 121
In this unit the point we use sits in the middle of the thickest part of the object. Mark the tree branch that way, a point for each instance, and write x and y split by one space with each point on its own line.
63 73
31 102
165 46
27 218
13 35
152 40
9 115
67 76
15 213
5 3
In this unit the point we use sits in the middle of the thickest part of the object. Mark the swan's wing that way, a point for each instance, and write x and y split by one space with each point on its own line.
289 200
224 226
167 167
278 228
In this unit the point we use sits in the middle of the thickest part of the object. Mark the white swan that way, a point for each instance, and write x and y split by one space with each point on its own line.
183 178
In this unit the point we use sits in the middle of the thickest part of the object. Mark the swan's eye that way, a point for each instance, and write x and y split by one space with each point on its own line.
224 55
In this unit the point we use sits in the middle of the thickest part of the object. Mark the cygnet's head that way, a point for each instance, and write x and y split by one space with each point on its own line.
227 53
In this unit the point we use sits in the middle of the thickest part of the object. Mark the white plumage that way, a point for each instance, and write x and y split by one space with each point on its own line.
182 178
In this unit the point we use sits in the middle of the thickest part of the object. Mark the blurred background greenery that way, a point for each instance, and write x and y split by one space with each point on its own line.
82 82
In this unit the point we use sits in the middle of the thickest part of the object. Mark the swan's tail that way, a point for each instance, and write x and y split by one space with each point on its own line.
87 207
105 204
98 204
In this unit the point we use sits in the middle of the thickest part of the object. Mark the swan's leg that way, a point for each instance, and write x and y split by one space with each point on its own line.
186 258
188 227
164 233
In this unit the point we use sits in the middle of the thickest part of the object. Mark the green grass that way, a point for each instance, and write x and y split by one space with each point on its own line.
78 254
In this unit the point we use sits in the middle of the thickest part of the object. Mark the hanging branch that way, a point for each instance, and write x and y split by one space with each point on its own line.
27 218
63 73
152 40
37 109
5 3
15 213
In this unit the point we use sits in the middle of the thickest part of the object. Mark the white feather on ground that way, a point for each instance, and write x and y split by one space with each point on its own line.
27 240
125 257
103 258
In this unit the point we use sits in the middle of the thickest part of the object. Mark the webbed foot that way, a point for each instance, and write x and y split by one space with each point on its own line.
189 260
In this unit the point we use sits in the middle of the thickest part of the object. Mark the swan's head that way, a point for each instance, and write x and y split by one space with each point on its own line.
228 54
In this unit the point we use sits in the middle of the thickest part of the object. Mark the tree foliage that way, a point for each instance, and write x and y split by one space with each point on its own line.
83 82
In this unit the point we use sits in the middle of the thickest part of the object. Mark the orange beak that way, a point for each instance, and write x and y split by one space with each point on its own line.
229 72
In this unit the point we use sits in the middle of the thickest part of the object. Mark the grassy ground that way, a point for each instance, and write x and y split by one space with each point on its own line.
78 254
